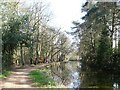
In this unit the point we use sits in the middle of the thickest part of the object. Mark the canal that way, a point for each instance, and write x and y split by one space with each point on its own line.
70 74
67 73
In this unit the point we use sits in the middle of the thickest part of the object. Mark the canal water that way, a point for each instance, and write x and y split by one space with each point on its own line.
70 75
67 73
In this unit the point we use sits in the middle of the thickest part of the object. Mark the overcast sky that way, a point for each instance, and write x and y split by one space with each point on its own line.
65 11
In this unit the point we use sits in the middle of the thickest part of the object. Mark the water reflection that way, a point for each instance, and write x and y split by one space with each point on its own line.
98 80
75 81
67 73
70 75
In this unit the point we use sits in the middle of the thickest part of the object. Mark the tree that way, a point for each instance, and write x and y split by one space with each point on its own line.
96 34
11 34
27 36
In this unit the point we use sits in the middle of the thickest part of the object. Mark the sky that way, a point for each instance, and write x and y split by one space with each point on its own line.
65 11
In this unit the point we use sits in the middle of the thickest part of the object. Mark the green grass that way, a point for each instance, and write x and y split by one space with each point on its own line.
42 79
5 74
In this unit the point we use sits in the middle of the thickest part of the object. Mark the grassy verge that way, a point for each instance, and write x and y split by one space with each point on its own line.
5 74
42 79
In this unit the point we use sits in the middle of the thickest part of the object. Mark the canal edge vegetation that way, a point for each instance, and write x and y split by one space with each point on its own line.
42 79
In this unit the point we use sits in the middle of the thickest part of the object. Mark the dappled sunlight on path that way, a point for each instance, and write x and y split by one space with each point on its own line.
20 78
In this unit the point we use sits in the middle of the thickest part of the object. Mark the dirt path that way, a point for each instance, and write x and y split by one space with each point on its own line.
20 78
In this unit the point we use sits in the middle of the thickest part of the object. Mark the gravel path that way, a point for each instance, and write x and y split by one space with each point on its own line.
20 78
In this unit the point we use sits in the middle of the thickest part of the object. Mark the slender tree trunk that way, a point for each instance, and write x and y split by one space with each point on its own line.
31 55
21 53
24 56
37 55
113 27
51 54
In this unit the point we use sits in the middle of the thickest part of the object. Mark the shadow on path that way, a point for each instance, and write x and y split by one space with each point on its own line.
20 78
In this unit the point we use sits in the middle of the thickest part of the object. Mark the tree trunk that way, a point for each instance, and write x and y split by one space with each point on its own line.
37 55
21 53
